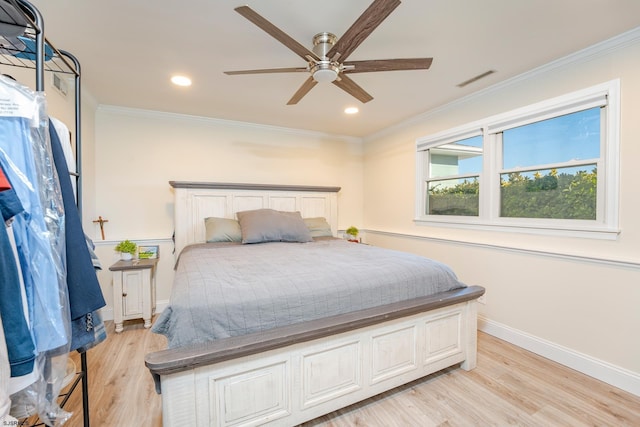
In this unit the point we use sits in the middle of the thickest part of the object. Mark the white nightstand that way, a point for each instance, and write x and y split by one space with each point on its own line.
134 291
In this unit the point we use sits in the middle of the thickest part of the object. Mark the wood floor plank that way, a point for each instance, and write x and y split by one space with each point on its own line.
509 387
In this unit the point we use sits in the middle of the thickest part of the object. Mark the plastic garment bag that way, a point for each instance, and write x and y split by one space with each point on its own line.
25 153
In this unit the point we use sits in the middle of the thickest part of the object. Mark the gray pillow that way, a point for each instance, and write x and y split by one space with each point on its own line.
269 225
222 230
318 227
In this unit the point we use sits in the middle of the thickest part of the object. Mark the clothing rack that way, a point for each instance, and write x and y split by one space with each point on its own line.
57 61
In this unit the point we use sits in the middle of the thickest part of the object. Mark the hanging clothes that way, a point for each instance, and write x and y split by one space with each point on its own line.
94 331
65 140
39 239
85 294
18 383
4 182
13 299
25 158
21 349
5 401
10 204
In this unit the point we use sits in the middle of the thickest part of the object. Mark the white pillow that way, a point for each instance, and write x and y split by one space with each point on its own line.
318 227
222 230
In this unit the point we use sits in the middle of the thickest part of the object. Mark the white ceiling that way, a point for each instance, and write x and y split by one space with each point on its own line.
129 49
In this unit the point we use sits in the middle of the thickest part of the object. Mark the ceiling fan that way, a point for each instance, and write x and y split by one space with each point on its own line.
327 61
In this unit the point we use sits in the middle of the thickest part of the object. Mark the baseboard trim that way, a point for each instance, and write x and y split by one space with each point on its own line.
161 305
614 375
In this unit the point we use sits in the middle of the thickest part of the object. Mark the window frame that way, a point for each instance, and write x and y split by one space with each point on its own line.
605 226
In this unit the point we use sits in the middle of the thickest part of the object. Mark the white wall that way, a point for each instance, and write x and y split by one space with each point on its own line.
582 309
138 152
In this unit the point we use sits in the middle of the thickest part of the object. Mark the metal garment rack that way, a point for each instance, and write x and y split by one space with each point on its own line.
57 61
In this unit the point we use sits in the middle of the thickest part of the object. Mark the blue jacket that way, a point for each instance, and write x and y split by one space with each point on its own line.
20 347
85 294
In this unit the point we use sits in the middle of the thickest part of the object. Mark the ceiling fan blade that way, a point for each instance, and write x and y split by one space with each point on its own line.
267 71
352 88
304 89
388 65
364 25
275 32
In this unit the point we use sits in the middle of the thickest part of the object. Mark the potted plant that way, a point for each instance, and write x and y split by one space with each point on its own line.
127 249
352 233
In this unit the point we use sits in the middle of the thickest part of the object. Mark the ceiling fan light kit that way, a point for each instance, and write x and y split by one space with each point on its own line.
326 62
324 72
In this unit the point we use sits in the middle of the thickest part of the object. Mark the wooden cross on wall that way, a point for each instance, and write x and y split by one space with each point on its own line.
101 222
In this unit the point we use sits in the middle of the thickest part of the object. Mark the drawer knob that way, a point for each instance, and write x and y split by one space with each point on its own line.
124 294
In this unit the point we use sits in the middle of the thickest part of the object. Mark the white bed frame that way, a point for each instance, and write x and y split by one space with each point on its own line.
296 373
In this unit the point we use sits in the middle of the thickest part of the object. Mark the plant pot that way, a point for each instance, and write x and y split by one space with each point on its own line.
126 256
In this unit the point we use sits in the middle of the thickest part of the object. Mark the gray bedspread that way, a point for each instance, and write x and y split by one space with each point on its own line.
233 289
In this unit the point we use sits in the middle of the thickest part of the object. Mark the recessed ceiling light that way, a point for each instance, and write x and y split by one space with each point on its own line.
181 80
351 110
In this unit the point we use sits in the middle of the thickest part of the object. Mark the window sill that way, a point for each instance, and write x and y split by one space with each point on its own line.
593 232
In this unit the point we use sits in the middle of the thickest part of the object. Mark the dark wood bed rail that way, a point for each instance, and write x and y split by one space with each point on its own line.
181 359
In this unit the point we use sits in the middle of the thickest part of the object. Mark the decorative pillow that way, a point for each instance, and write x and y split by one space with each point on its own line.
268 225
222 230
318 227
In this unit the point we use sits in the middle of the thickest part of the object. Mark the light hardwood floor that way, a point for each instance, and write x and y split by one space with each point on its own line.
510 387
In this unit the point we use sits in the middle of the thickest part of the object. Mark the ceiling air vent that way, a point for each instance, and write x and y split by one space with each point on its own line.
476 78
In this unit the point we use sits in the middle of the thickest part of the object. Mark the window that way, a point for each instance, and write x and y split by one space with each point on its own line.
550 166
454 174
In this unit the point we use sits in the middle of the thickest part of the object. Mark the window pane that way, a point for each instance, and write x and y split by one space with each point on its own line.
458 158
565 193
453 197
560 139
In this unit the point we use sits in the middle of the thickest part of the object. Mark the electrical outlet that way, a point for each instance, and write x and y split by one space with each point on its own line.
483 299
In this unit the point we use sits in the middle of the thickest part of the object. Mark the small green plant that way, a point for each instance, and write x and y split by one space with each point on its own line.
126 246
352 231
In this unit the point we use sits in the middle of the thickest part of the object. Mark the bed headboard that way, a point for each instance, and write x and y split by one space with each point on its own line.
195 201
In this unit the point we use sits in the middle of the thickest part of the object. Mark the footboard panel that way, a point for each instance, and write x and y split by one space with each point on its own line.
289 385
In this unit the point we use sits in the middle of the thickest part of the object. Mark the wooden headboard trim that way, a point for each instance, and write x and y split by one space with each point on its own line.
261 187
195 201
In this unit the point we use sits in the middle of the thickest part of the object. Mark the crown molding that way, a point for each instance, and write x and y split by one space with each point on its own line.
162 115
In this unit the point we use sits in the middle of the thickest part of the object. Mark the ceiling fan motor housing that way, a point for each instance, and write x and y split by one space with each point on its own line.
324 70
322 44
